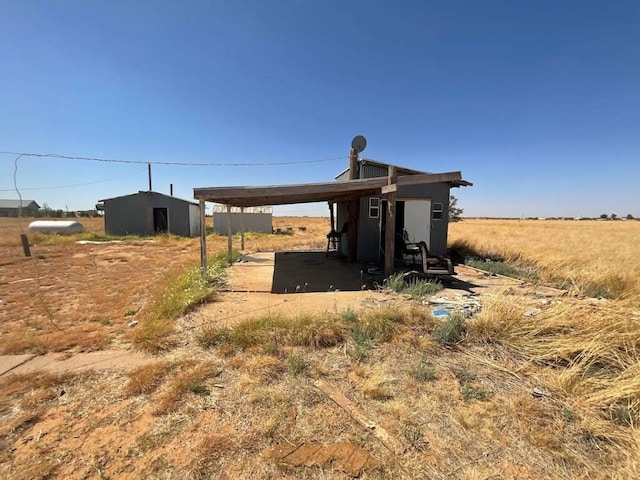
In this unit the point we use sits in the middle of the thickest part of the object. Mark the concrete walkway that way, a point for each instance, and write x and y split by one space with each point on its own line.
60 362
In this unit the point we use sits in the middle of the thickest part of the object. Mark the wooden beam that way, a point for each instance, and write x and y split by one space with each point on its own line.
352 210
203 240
229 236
333 223
429 178
247 196
390 232
389 188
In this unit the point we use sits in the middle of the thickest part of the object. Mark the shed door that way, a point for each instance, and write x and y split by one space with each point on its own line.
160 220
417 220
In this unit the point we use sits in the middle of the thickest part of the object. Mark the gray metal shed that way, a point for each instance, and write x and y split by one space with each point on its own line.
148 213
11 208
248 219
422 211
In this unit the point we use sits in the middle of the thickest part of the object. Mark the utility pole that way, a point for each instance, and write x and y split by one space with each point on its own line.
149 173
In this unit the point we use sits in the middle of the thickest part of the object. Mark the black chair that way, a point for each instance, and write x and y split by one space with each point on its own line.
334 239
403 248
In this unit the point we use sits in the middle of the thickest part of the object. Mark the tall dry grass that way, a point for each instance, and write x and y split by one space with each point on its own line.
593 258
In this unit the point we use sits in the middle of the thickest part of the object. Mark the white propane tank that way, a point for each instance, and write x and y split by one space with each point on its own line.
52 226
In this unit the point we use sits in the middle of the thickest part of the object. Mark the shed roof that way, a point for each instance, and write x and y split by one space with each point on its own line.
247 196
15 203
368 161
146 192
404 171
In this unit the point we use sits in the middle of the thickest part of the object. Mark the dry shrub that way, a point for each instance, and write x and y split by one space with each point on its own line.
540 422
598 347
185 382
265 367
152 335
19 342
37 384
84 338
308 330
147 378
207 454
376 384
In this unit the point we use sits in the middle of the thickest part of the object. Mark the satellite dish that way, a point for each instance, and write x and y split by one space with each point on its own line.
359 143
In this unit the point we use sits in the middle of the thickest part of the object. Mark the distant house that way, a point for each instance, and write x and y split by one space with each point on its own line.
11 208
252 219
149 213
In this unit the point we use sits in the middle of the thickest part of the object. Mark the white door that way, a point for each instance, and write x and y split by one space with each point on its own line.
417 221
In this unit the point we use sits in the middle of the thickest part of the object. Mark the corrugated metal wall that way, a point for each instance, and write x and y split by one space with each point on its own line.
133 214
253 222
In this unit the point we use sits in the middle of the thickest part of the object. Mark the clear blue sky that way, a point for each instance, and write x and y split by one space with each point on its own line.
537 103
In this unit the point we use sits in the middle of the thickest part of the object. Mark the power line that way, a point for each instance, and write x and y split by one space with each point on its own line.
184 164
72 185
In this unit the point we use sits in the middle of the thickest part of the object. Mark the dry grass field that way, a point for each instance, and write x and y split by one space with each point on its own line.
594 258
220 402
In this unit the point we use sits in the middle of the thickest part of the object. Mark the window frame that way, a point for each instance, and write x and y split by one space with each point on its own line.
373 207
437 213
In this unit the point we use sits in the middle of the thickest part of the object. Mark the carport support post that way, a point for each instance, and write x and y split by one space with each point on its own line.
352 210
390 232
229 236
242 228
203 240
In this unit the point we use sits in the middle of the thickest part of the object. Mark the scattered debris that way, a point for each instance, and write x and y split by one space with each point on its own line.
346 456
388 440
132 323
538 393
443 307
532 312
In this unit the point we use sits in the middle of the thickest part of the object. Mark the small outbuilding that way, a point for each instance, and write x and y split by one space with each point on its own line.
148 213
243 219
421 211
11 208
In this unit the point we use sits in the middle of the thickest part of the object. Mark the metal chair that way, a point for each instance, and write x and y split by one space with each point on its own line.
334 239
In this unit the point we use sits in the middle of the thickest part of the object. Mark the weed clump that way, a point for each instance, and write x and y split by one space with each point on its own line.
319 331
451 331
297 364
415 288
147 379
181 294
423 372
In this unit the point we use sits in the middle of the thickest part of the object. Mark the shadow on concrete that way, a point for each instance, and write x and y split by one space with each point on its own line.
314 272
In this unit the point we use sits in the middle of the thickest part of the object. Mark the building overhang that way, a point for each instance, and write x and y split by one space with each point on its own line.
335 192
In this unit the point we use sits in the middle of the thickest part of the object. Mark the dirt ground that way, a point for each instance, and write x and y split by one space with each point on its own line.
78 402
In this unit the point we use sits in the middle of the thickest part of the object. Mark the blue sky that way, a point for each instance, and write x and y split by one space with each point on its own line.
537 103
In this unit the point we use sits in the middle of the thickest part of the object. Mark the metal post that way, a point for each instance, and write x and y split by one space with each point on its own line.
229 236
203 239
25 245
149 173
242 228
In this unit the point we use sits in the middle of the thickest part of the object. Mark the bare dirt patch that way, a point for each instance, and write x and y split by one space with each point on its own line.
499 402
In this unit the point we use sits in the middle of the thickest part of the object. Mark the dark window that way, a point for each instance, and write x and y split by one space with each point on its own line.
437 211
374 208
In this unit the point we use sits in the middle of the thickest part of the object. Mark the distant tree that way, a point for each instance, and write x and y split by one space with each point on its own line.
629 216
454 212
604 216
614 216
